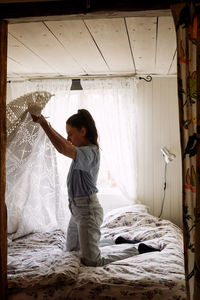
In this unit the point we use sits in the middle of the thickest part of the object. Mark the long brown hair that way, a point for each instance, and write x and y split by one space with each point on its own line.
84 119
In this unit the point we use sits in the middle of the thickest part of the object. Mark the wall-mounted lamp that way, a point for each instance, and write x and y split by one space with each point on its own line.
168 156
76 85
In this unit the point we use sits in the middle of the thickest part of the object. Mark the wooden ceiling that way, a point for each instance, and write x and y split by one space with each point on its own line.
71 48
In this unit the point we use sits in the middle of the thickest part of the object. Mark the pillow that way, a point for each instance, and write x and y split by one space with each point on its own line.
124 216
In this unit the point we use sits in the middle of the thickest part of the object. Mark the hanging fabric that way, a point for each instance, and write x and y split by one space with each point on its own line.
112 102
185 19
34 199
42 180
18 108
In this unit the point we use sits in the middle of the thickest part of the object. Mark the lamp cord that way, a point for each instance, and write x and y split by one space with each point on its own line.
164 189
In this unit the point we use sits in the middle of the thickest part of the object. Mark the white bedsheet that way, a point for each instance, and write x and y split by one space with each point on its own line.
39 268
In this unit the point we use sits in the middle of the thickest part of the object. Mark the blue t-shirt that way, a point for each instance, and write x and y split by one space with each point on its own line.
83 172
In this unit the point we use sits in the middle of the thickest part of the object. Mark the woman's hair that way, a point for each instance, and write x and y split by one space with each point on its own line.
84 119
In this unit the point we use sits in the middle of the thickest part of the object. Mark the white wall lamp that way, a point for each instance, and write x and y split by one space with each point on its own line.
168 157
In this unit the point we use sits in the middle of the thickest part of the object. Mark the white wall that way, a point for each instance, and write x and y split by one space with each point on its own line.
158 126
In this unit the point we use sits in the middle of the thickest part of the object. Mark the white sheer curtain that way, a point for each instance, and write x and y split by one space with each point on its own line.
34 199
16 89
112 104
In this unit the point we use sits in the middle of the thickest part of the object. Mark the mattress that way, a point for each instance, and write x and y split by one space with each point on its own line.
40 268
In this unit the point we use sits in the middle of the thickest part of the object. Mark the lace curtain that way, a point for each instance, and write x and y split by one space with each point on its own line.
34 199
42 183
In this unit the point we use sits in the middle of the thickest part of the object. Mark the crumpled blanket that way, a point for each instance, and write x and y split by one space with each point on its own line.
39 266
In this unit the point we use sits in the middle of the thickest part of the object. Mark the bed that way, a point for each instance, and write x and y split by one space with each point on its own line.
40 268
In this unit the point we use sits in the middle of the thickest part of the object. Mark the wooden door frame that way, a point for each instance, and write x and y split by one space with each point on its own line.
3 214
45 11
59 9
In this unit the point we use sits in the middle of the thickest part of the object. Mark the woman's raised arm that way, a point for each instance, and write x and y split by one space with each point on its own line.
60 143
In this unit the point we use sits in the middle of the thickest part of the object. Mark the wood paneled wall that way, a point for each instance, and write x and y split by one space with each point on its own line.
158 126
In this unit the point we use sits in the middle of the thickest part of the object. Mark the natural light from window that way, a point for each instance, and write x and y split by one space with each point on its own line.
113 112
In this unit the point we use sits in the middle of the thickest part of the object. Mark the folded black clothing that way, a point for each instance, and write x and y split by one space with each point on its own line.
121 240
142 248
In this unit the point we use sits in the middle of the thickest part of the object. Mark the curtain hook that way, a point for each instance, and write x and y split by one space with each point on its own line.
147 79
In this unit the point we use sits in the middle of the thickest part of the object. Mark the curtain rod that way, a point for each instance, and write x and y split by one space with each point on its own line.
148 77
80 77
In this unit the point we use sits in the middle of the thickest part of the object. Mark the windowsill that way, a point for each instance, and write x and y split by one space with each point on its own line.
111 198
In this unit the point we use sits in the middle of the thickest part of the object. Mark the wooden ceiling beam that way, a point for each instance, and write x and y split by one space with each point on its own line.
40 10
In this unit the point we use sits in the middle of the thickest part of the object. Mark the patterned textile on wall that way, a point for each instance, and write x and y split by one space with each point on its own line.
187 51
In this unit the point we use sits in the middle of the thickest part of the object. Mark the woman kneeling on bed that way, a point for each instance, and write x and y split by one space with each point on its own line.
82 147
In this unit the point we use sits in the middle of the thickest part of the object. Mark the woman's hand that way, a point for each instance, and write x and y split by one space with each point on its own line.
39 119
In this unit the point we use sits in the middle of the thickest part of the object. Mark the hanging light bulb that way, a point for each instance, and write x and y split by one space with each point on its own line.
168 156
76 85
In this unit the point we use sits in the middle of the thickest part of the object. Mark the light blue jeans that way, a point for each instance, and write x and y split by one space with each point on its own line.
84 232
84 228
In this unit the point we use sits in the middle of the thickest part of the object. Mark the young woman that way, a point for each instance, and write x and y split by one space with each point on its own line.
86 212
